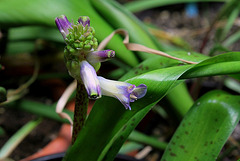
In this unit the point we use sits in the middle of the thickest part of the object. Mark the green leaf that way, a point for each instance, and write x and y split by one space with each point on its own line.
136 6
230 21
232 39
129 147
147 140
3 94
14 141
109 124
113 12
232 84
205 128
156 62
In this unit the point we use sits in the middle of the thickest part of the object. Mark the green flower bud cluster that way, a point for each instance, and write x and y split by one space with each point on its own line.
81 38
80 41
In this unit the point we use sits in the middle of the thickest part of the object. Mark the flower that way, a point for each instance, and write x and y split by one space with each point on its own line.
83 60
63 25
84 20
124 92
100 56
90 80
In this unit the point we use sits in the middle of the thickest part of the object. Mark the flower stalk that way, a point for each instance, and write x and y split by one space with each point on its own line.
80 111
80 41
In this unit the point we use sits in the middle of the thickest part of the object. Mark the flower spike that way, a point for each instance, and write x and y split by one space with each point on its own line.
63 25
90 80
124 92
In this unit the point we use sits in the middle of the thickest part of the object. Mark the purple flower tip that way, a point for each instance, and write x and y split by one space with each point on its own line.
111 53
100 56
63 25
84 20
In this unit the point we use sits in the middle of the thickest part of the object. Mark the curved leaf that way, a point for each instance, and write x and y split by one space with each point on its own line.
205 128
109 124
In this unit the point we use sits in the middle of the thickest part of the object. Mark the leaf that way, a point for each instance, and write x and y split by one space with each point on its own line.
136 6
119 19
205 128
109 124
230 21
3 94
232 39
148 140
40 109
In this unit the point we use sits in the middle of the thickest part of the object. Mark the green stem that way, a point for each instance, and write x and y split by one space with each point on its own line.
80 111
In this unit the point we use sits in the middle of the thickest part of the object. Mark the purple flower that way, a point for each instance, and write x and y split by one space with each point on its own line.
124 92
90 80
100 56
84 20
63 25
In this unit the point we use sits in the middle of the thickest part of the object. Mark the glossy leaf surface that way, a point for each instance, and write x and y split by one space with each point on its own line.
109 124
205 128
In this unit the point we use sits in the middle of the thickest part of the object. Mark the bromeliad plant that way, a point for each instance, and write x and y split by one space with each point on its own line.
82 61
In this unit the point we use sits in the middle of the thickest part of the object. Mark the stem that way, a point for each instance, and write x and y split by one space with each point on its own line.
80 111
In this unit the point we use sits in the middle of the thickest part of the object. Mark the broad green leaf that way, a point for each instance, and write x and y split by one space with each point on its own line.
205 128
156 62
109 124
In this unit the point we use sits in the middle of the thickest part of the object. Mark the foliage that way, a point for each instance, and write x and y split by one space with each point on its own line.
205 125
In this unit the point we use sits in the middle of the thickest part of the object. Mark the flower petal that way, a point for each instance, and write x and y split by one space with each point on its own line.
90 80
63 25
84 20
100 56
124 92
139 92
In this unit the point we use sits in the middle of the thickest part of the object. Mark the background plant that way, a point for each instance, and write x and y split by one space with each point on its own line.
163 76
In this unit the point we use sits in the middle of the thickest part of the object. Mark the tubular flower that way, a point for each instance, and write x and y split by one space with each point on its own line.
124 92
90 80
63 25
100 56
